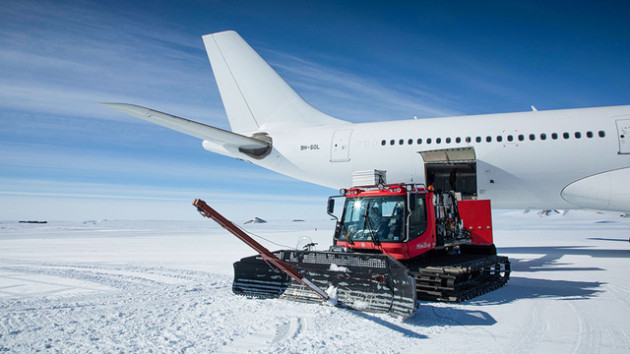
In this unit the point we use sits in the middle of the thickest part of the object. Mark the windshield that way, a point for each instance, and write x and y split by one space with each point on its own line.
379 218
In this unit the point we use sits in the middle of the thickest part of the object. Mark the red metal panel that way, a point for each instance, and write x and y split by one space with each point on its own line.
477 218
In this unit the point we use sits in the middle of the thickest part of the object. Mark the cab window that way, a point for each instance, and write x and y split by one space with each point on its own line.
374 217
418 220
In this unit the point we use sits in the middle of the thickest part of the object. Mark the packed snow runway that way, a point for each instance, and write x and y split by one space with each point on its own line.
166 287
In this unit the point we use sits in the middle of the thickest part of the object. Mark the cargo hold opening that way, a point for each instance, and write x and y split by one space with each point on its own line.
452 169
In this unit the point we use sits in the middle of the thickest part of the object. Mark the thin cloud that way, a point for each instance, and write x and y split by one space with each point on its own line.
94 57
54 200
94 163
357 95
79 190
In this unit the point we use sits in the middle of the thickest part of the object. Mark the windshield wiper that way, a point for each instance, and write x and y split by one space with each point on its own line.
367 222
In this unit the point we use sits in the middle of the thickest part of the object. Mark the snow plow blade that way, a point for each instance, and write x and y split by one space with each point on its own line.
369 283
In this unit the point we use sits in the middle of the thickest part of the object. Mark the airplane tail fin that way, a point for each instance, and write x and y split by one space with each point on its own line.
254 95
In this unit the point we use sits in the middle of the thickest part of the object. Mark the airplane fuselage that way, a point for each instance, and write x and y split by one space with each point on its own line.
523 160
556 159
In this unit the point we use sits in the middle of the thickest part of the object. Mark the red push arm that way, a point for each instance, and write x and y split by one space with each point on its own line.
208 212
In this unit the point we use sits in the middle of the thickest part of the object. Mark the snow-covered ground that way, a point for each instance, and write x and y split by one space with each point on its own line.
160 286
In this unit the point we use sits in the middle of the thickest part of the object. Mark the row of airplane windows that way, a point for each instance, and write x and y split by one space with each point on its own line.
498 138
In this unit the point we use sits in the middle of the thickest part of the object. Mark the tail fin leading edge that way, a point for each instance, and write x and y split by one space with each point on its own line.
253 94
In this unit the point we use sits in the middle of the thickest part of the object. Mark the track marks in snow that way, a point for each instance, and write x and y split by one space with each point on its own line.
258 342
133 305
127 313
288 329
33 279
531 330
272 334
583 337
28 285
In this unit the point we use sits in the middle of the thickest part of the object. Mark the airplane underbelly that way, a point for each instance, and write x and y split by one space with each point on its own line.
605 191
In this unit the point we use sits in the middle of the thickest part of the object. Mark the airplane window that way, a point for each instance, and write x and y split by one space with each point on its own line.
532 137
510 138
468 139
499 138
458 140
521 137
543 136
589 134
392 142
428 140
410 141
419 141
488 138
448 140
383 142
578 135
565 135
554 136
401 141
478 139
602 133
438 140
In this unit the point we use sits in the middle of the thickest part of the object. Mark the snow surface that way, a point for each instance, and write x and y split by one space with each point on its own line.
113 286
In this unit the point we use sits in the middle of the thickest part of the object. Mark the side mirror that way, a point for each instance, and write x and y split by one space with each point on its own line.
331 206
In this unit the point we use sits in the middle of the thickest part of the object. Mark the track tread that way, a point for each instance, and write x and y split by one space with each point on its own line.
456 278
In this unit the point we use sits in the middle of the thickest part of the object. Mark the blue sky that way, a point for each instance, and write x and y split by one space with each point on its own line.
65 157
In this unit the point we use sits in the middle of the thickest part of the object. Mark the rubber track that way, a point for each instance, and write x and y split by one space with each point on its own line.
458 278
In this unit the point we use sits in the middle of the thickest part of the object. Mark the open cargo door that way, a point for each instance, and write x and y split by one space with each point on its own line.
452 169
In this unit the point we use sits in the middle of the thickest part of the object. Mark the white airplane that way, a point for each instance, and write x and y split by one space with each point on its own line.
556 159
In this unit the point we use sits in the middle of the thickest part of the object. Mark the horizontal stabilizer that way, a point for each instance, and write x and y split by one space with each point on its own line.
231 143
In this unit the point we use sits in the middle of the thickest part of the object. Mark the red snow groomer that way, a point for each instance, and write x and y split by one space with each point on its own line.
393 244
